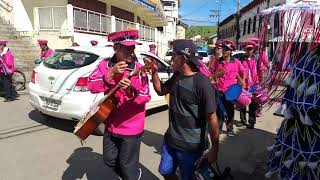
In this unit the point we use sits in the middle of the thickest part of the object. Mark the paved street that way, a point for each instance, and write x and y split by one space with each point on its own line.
36 148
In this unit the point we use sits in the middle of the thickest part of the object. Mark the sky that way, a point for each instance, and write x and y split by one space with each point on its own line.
197 12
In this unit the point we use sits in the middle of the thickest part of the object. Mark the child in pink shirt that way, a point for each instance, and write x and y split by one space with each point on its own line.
249 63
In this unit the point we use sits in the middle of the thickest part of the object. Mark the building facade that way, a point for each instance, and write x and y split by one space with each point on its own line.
63 22
171 10
249 19
181 30
227 29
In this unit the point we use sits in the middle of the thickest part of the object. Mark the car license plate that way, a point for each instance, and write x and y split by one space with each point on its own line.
51 104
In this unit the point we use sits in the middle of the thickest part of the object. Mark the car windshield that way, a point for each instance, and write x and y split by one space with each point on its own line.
238 55
70 59
203 54
169 53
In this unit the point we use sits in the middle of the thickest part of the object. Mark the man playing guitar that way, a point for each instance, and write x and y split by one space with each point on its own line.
125 124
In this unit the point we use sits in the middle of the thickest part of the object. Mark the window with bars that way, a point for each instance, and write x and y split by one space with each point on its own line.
254 24
244 27
249 26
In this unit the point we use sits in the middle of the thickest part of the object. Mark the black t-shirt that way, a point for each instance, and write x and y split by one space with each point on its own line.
192 99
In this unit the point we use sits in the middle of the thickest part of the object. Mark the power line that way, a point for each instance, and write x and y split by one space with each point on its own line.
198 8
194 20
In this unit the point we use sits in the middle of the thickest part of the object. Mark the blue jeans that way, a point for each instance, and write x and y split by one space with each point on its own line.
172 158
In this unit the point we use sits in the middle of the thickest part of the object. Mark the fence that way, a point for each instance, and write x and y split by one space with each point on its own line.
56 19
147 33
90 21
123 24
52 18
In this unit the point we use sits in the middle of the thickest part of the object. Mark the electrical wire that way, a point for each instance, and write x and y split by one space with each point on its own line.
198 8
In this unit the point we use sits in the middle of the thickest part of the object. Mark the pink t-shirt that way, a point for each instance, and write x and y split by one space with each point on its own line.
7 63
127 118
250 67
263 62
232 69
46 54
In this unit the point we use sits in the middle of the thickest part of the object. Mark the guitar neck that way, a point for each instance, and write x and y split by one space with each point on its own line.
116 88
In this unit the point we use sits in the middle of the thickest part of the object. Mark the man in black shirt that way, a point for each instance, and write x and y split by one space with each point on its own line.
192 108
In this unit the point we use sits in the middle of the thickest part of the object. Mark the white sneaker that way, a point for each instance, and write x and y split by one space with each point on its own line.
140 174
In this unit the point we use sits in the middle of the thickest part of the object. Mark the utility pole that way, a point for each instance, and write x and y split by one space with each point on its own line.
238 22
217 13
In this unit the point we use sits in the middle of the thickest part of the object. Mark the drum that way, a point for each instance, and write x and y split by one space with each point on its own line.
259 95
239 96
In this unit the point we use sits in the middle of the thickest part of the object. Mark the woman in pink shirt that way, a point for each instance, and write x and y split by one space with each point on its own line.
249 63
233 74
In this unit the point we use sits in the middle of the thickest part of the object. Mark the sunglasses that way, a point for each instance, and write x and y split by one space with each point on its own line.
226 48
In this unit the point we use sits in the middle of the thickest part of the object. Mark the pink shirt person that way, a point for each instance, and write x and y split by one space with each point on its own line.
127 118
7 63
153 49
45 54
232 69
250 67
263 61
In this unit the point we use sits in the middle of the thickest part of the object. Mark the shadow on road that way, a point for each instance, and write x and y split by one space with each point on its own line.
246 153
60 124
84 162
156 110
67 125
153 139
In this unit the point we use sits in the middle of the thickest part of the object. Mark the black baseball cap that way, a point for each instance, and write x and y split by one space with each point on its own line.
188 48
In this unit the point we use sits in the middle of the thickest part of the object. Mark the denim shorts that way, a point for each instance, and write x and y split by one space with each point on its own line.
171 159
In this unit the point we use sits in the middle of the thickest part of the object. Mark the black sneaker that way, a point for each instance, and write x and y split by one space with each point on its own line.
250 126
230 133
9 99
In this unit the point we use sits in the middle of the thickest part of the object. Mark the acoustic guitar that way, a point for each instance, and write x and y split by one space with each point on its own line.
99 111
216 75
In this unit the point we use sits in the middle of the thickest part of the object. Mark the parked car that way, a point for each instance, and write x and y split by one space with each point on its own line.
238 54
168 56
59 85
205 56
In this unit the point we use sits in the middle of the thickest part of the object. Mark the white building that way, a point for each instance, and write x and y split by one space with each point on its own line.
63 22
171 10
181 30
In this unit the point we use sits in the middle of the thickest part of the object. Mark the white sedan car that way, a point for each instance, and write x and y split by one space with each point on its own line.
59 85
205 56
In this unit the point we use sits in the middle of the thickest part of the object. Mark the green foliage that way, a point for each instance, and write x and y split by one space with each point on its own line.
204 31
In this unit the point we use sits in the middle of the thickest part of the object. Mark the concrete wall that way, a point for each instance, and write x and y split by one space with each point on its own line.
181 32
7 11
21 15
84 39
30 4
54 40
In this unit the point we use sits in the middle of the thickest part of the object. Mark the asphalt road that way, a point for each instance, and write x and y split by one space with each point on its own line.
34 147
